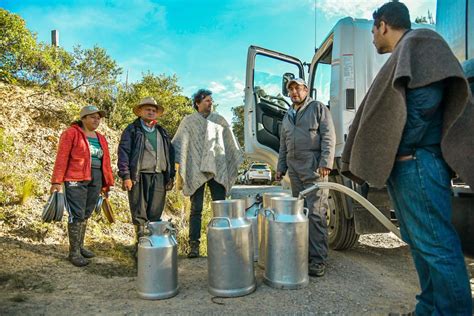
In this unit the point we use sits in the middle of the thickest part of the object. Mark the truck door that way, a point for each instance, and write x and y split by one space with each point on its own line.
265 105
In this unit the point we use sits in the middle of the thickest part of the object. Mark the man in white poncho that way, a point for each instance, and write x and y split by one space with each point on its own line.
207 153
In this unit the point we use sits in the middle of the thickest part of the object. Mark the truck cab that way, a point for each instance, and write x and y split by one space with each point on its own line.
339 75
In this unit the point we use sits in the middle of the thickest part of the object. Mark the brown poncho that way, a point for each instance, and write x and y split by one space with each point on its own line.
421 57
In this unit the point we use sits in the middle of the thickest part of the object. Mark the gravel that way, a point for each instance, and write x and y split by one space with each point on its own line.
375 277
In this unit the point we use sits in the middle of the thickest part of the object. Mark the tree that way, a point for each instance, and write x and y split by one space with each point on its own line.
94 74
424 19
164 89
51 67
22 58
238 123
18 47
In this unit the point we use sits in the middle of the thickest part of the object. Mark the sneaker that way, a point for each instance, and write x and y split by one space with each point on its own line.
316 269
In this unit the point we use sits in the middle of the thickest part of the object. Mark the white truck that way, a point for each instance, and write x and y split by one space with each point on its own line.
339 75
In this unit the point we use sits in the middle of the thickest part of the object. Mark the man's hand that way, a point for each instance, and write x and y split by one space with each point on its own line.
56 187
324 171
127 185
169 185
278 176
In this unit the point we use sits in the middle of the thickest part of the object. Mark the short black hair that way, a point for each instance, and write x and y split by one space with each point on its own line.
393 13
200 95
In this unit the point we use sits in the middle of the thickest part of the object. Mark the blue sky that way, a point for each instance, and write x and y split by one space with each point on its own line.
203 42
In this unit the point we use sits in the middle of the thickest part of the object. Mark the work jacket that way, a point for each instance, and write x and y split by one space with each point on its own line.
130 152
307 139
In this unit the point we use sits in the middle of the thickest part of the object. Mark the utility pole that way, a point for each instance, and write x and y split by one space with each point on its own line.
55 38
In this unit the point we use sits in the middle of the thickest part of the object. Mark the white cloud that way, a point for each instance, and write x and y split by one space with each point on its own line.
364 9
217 87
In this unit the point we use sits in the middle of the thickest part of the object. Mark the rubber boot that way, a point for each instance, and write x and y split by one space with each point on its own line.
85 252
74 231
194 251
140 231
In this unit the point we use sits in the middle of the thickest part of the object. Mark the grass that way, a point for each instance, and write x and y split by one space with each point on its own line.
28 189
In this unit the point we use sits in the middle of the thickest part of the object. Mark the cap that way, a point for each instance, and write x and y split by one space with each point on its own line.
298 81
91 109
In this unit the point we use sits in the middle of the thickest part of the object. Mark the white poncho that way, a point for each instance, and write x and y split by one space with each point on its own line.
206 149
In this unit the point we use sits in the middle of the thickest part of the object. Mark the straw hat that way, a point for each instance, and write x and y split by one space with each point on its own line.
148 101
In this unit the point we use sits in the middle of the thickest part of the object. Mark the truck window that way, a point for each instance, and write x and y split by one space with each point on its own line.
322 83
268 79
322 78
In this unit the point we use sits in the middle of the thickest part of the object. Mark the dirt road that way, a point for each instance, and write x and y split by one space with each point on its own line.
375 277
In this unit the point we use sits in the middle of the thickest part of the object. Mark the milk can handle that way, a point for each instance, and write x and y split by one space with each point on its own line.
306 211
216 218
258 209
170 229
147 239
268 210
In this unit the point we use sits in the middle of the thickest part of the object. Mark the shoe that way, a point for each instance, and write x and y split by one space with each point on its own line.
85 252
194 251
316 269
75 256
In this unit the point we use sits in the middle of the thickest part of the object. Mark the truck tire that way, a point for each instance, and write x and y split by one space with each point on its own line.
341 231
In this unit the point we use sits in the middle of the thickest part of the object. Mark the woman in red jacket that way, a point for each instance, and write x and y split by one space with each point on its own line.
83 167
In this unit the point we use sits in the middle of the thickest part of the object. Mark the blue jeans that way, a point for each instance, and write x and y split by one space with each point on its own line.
420 190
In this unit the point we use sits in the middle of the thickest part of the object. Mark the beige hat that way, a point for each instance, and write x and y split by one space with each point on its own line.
91 109
148 101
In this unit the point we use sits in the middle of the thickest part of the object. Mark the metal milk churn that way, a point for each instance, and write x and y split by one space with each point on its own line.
261 225
158 262
230 250
286 228
253 205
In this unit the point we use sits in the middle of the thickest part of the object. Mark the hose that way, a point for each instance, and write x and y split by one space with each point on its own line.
359 198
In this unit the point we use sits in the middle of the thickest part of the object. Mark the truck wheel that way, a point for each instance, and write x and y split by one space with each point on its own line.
341 231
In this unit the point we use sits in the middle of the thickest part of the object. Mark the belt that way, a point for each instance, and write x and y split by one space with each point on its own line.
405 158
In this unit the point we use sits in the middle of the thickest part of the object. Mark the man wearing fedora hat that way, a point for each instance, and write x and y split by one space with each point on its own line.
146 164
307 146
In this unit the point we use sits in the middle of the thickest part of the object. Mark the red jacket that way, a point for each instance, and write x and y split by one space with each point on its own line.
73 161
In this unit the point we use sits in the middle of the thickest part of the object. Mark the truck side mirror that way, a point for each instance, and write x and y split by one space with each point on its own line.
286 77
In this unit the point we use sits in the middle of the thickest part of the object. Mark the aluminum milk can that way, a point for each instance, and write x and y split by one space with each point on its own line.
261 225
230 250
286 228
253 205
158 262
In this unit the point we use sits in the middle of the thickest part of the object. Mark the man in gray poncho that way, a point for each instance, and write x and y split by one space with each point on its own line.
307 145
417 118
208 154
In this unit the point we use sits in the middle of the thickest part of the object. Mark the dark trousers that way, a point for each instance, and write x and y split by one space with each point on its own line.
317 204
147 198
81 196
217 193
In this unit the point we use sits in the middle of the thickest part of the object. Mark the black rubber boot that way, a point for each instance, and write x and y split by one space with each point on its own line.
74 231
140 231
194 251
85 252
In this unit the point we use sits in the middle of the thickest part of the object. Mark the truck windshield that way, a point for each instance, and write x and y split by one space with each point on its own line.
259 167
